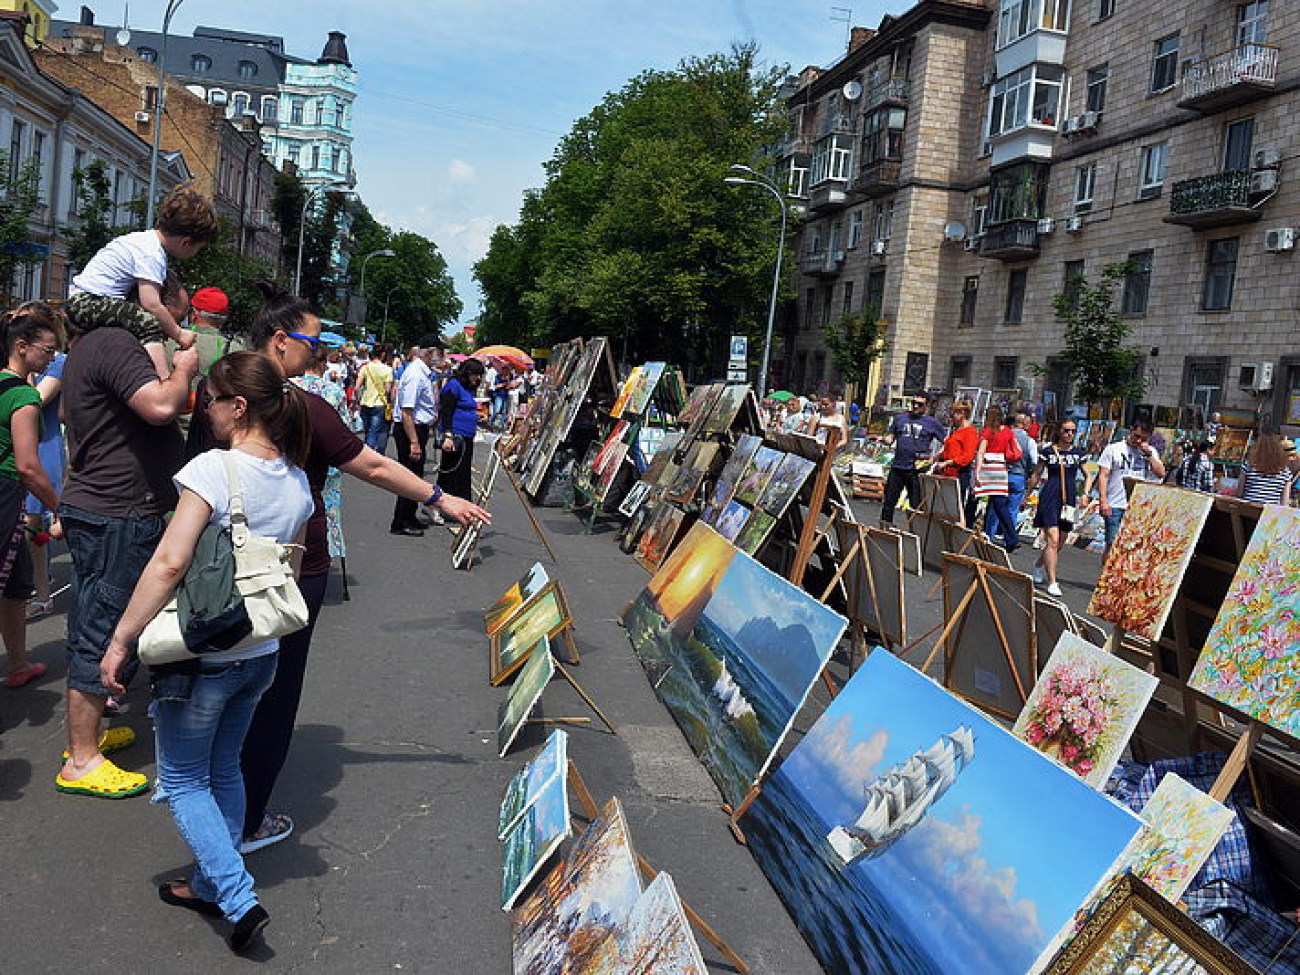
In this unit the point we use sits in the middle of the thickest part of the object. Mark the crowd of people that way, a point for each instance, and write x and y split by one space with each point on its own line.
92 451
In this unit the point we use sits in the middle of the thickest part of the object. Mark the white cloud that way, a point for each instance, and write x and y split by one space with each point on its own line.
832 755
461 172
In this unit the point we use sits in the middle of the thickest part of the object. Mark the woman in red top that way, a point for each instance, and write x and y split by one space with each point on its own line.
1000 440
959 453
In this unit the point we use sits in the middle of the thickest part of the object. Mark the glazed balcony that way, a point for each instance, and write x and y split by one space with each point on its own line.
1217 200
1243 74
878 177
1012 240
891 92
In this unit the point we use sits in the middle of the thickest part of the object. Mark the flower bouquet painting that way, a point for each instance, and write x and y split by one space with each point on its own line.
1084 708
1251 659
1146 564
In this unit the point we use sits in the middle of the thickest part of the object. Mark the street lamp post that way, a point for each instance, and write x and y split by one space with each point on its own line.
386 252
383 335
159 101
302 226
752 178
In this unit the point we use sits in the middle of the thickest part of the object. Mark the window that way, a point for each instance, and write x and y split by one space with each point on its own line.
1238 140
809 302
815 244
1020 17
1137 284
1203 382
74 198
217 97
1105 8
1097 78
270 108
1030 95
315 157
1072 282
38 154
291 154
200 63
328 159
16 147
1164 66
1005 370
240 104
883 224
874 300
1152 176
832 158
148 55
828 303
958 372
970 291
1252 22
1085 182
847 308
855 228
247 69
1016 282
295 111
150 98
837 235
882 135
797 175
979 212
1220 274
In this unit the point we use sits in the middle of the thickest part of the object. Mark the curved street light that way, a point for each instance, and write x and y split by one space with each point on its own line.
385 252
302 225
383 336
753 178
158 104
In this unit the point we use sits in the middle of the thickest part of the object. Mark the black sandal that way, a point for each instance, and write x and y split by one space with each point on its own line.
167 893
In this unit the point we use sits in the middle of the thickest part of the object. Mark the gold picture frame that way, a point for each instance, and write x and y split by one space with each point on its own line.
547 615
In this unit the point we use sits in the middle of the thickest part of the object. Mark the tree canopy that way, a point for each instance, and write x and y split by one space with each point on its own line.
635 235
1098 360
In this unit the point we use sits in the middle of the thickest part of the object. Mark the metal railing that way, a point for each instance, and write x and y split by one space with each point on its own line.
893 90
1254 64
1219 191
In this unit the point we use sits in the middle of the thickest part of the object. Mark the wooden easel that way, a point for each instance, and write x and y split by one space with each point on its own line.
528 510
821 479
591 811
564 672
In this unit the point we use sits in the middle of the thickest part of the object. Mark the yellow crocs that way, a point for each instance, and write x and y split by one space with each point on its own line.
114 740
105 781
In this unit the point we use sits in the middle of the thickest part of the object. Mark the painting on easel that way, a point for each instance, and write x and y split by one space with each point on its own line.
1251 659
898 834
546 615
529 781
732 650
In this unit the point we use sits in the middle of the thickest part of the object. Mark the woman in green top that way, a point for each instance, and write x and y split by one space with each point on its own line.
30 339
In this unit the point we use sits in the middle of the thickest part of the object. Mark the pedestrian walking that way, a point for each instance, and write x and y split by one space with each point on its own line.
53 456
1057 478
375 387
1018 471
913 436
1266 474
1130 457
457 425
419 409
998 449
500 391
958 455
202 710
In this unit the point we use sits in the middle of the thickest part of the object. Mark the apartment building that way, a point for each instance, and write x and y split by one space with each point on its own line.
1070 138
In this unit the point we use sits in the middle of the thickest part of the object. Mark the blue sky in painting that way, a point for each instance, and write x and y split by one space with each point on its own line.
1002 860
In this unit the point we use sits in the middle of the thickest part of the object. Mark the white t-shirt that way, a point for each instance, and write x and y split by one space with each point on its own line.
277 502
1122 461
113 272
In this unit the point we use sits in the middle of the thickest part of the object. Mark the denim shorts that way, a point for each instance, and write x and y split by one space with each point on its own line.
108 556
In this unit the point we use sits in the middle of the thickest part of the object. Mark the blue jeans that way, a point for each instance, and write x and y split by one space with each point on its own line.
1112 525
198 775
375 427
997 521
1015 498
500 407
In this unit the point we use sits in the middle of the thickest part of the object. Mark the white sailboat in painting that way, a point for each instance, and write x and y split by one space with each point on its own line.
726 690
900 798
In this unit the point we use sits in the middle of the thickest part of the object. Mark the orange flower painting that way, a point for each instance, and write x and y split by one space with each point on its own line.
1146 564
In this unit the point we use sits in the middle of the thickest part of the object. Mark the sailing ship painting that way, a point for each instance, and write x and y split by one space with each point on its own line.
899 799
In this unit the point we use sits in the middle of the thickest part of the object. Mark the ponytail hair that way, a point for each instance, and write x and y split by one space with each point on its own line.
281 311
28 321
276 405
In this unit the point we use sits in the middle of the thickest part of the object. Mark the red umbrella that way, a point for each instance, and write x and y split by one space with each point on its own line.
506 355
456 357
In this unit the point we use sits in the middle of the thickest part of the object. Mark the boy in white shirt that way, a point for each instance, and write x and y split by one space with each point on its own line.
137 262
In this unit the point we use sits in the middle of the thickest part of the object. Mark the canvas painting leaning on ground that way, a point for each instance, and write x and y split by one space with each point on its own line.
535 836
527 784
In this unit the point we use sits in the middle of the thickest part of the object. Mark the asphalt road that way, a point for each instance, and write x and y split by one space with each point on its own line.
393 779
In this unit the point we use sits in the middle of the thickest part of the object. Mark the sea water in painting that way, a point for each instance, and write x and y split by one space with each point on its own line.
731 649
530 842
899 835
529 780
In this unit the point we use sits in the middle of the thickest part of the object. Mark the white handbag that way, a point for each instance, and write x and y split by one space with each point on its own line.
263 576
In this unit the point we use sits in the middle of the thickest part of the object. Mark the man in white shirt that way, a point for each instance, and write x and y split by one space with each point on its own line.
1130 457
418 408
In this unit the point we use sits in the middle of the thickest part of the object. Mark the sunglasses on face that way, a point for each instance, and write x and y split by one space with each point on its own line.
1070 430
313 341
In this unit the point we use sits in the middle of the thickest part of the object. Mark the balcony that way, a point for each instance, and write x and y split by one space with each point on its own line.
827 195
891 92
1235 77
1013 240
877 178
1217 200
822 264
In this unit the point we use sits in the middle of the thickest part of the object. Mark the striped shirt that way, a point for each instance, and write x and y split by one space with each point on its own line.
1263 488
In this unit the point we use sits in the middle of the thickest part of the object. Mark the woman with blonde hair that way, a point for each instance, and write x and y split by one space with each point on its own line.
1266 474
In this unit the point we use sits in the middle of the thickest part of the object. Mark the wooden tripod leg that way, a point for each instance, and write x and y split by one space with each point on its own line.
585 696
1236 761
528 510
710 935
570 642
983 579
579 787
1114 639
949 626
733 822
839 573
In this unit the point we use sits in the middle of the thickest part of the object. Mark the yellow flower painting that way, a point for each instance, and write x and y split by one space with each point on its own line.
1251 659
1146 564
1185 825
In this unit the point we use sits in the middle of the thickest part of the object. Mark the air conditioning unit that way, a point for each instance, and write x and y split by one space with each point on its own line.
218 97
878 247
1257 377
987 78
1074 224
1046 225
1263 181
971 243
1087 122
1267 159
142 116
1279 239
1067 126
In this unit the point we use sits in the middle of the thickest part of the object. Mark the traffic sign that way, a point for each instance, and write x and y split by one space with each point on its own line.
737 375
739 347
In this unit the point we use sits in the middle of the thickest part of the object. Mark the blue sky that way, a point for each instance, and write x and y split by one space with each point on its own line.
462 103
1010 869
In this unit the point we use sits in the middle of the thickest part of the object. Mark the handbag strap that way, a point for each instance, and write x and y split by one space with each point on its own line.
1060 469
238 520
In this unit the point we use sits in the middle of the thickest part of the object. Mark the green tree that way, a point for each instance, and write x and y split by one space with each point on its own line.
95 225
414 288
855 342
1100 364
286 205
18 203
220 265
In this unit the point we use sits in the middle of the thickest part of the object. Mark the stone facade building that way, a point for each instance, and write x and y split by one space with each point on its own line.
975 157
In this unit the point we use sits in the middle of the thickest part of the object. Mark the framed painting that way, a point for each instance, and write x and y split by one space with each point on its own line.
464 545
758 527
535 836
1251 658
884 554
725 409
784 484
640 397
524 694
1145 567
528 782
725 487
731 519
657 939
634 498
495 616
1084 708
483 493
898 834
625 392
756 475
659 536
542 617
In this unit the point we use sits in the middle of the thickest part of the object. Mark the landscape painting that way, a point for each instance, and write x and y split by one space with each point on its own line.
625 392
524 694
543 617
732 650
530 843
572 922
755 532
725 410
784 484
908 834
1251 659
732 470
756 475
527 784
731 520
525 589
658 938
658 538
1145 567
1084 708
639 399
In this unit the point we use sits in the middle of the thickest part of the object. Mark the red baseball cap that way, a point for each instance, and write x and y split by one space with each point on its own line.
213 301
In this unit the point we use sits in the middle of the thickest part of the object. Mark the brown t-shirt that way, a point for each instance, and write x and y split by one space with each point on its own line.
119 465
